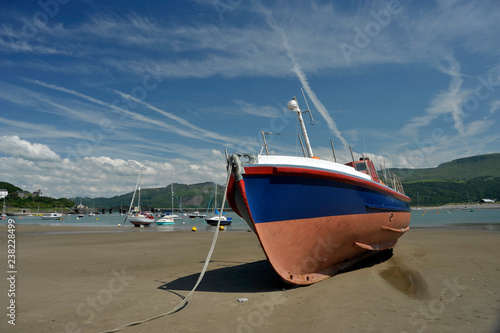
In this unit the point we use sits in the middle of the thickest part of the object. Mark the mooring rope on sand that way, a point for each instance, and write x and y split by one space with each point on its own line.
205 266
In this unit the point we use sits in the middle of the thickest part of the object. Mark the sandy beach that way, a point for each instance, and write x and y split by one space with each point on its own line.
96 280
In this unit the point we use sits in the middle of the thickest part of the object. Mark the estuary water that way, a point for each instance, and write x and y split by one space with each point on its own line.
477 219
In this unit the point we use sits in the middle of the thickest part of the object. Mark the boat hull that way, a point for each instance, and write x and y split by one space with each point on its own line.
215 221
313 222
53 216
140 221
165 221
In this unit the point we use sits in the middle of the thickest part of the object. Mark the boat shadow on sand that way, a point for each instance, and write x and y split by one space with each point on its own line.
258 276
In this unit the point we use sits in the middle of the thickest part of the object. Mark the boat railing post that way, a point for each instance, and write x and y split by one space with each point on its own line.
333 151
302 145
367 167
265 144
352 156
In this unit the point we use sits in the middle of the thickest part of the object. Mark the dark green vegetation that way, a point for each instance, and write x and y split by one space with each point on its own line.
30 201
463 180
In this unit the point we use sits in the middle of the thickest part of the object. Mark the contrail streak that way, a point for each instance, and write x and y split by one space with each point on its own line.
297 69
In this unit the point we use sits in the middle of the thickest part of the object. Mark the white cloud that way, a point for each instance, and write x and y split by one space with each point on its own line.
15 147
34 166
258 110
447 103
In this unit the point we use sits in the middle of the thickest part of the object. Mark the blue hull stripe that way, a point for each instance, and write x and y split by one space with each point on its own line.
279 198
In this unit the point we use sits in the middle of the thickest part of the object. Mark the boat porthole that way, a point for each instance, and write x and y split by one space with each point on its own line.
291 277
391 216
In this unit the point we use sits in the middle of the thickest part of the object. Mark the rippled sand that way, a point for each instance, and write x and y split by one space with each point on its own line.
434 281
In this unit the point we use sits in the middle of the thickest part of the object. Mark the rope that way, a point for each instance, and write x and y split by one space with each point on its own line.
207 260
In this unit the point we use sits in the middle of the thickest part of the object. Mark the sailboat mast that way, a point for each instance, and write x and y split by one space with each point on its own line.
172 188
294 106
135 189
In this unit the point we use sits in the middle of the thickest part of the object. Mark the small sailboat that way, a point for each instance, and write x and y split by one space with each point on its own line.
137 217
214 220
53 216
165 220
196 214
171 213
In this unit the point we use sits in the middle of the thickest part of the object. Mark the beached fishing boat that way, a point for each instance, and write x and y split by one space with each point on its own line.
315 217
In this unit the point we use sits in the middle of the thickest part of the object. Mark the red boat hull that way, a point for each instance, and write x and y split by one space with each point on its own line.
353 218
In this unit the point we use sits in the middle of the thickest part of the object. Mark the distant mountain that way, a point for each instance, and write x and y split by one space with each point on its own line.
188 196
464 180
459 169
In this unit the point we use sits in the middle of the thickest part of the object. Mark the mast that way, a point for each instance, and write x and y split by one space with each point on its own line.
172 188
294 106
133 196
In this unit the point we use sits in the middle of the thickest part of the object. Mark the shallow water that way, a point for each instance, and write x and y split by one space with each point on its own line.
111 221
477 219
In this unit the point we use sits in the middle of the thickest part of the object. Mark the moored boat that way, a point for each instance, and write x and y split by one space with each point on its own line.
141 219
53 216
214 220
165 220
196 214
137 217
315 217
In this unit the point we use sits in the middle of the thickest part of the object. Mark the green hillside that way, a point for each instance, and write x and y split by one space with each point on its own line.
30 201
9 187
463 180
459 169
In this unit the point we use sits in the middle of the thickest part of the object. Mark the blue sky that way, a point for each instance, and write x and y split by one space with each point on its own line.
91 91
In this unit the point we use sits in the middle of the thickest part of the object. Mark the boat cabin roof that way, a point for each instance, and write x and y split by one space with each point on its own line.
365 165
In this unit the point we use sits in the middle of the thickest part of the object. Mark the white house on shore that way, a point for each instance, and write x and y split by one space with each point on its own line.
487 201
3 193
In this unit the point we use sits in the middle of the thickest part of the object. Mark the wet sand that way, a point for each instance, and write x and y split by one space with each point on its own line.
435 281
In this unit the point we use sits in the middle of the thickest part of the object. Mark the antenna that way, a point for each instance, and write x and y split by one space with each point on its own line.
294 106
308 110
